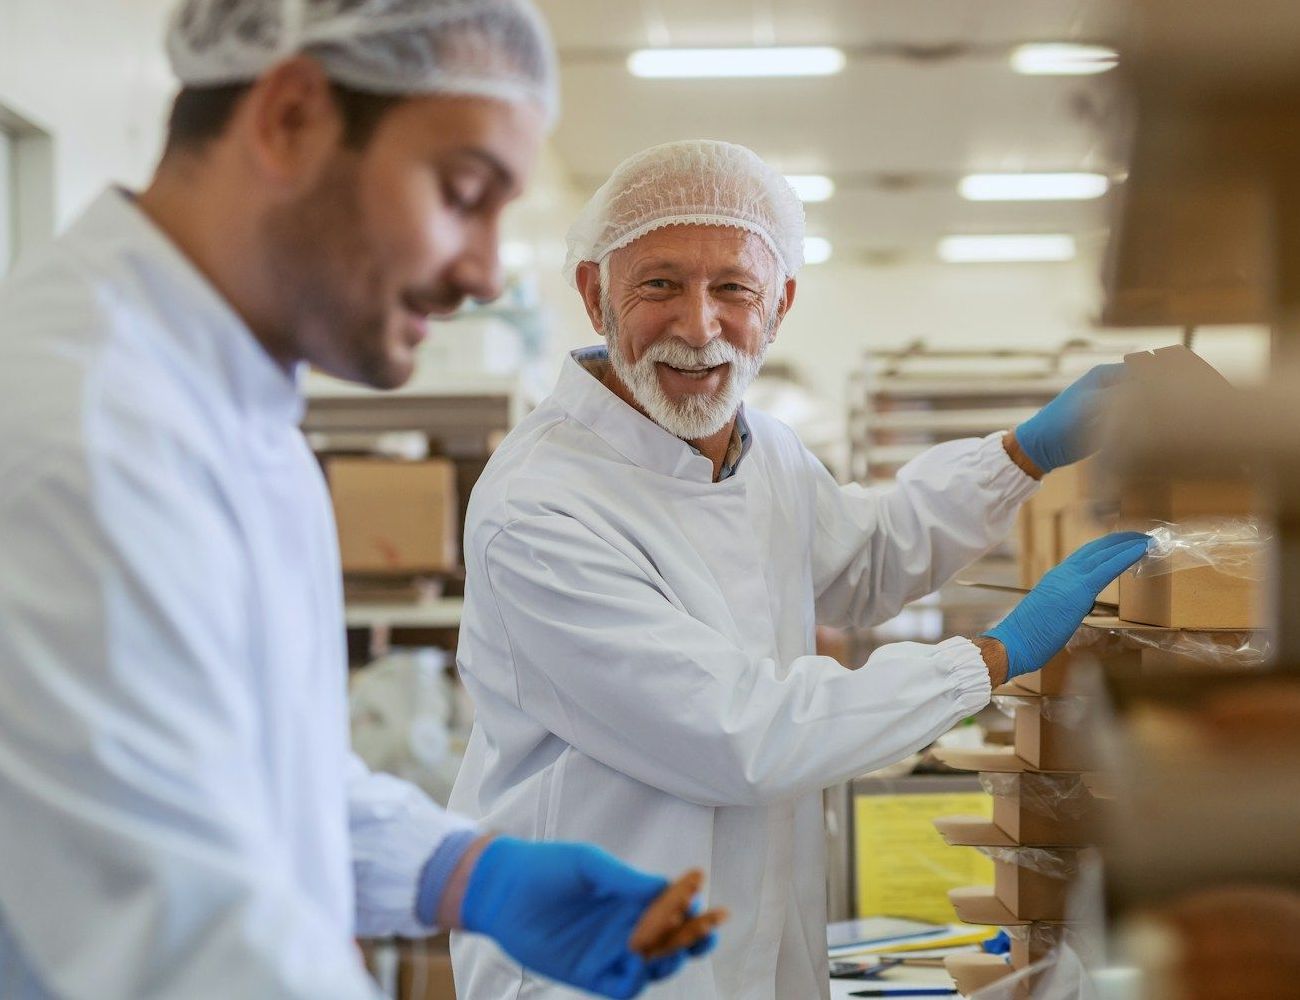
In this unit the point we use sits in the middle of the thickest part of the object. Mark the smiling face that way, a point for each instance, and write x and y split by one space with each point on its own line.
688 313
400 230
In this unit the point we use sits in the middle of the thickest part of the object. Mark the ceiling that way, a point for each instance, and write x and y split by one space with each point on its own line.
927 96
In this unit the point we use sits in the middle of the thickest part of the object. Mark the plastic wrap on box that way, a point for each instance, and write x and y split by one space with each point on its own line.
1060 976
1237 649
1063 710
1056 796
1052 862
1234 546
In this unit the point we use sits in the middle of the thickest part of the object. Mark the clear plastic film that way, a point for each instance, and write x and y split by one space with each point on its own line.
1040 935
1234 546
1052 862
1055 796
1252 648
1065 710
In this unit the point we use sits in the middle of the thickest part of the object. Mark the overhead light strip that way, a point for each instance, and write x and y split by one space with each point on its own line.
744 62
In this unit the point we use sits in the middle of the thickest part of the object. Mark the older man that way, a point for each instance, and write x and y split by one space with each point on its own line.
647 561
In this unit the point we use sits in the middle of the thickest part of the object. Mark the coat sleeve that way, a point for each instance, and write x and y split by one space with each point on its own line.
875 549
610 664
395 829
137 829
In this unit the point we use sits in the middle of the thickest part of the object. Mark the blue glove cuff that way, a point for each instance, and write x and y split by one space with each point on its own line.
1015 659
437 873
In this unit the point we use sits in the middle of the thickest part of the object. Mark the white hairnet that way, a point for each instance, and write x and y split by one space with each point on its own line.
698 182
489 48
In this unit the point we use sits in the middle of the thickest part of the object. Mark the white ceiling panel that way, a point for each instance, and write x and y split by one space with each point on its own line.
896 130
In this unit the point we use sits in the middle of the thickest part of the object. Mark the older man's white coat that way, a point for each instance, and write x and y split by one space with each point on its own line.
639 643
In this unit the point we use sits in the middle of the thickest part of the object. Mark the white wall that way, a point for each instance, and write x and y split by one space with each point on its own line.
92 74
6 194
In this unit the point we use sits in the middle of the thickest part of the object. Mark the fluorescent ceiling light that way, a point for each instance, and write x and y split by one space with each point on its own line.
1061 59
816 249
1033 187
794 61
811 187
1011 248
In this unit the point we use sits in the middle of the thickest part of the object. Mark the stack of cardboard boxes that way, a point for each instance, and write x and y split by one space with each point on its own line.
1047 795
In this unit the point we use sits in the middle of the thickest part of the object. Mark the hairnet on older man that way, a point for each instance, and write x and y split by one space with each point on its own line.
488 48
701 182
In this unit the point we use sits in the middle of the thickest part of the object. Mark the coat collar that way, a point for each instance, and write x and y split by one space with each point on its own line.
629 432
198 326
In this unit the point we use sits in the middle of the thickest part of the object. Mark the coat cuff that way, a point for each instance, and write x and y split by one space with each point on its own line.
437 873
1002 474
968 675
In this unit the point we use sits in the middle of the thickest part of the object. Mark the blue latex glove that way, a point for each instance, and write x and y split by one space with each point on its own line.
1041 624
1062 432
567 911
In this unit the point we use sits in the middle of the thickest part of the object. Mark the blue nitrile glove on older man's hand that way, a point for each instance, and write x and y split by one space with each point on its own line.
568 911
1041 624
1062 432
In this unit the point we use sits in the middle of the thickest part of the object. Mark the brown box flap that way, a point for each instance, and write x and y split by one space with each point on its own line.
974 970
976 904
972 831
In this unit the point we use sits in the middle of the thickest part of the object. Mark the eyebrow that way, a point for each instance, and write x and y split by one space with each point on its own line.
641 268
503 173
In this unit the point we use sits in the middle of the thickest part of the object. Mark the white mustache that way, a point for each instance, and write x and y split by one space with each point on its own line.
678 354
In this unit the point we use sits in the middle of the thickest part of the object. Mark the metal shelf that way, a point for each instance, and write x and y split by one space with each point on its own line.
442 613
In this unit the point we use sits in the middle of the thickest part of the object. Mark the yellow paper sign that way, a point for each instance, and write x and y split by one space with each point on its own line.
903 867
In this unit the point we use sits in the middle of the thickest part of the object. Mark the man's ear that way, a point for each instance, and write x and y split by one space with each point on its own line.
783 306
290 123
588 279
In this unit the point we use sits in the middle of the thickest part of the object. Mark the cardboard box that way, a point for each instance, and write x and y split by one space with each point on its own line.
395 517
1051 735
1057 520
1199 597
1035 894
1046 810
972 970
1034 942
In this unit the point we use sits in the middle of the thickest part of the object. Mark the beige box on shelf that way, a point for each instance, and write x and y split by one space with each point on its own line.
395 517
1034 942
1050 736
1197 598
1021 815
1029 893
1056 521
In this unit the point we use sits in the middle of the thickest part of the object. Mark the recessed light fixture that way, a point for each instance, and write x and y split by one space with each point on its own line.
686 63
816 250
811 187
1063 59
1033 187
1006 249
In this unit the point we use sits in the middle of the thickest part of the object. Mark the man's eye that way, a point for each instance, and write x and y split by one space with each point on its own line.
732 286
658 283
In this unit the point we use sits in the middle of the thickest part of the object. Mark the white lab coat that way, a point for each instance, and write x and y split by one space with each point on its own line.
180 814
639 641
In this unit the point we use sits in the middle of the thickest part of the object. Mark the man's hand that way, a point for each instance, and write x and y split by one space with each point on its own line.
1041 624
1062 432
578 915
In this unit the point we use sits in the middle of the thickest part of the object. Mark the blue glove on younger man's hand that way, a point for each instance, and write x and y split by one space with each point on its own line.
1062 432
567 911
1041 624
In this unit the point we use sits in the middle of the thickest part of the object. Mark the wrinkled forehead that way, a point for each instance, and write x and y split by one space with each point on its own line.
688 250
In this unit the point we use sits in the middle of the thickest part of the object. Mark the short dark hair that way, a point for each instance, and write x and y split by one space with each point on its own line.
201 114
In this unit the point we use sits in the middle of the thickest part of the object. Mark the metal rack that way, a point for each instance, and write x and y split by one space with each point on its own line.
904 401
462 421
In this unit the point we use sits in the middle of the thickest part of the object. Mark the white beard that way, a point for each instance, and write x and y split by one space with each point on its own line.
698 415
